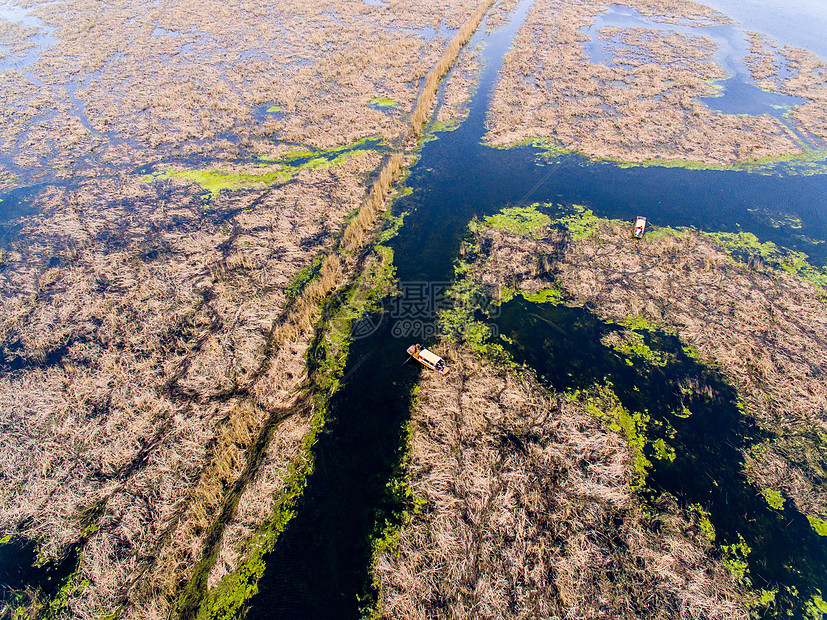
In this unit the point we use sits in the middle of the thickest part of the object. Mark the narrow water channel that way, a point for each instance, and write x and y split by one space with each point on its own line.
320 566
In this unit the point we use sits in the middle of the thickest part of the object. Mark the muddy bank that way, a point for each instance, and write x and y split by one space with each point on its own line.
641 103
525 509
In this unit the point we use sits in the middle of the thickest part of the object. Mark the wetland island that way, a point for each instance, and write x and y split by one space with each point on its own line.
223 225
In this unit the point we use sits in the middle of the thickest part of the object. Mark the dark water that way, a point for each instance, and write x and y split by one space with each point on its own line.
320 566
18 570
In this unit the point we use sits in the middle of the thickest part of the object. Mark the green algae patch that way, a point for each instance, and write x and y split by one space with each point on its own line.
521 221
214 181
633 345
305 153
818 525
811 161
549 150
816 607
440 126
383 102
552 296
663 451
274 108
704 521
602 403
744 247
735 559
580 223
774 498
303 278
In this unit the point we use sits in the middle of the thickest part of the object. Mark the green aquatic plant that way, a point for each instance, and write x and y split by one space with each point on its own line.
744 246
303 278
602 403
819 525
633 345
580 223
735 559
640 322
214 180
520 221
774 498
392 223
816 607
704 521
551 296
383 102
439 126
663 451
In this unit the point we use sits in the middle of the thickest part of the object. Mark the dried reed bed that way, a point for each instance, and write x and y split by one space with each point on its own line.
170 78
528 513
805 76
189 307
135 330
641 104
763 326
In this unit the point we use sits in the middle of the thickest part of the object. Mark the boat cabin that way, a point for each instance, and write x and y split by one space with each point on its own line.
427 358
640 227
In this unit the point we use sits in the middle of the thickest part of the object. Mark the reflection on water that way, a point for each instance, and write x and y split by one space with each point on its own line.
801 23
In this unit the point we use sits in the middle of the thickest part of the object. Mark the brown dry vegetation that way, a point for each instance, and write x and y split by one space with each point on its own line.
808 79
528 513
139 367
148 341
764 327
643 107
117 84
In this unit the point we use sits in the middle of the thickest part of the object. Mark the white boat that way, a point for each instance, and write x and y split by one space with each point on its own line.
640 227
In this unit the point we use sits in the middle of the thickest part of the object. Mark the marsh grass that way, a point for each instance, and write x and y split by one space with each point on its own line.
526 510
642 105
754 310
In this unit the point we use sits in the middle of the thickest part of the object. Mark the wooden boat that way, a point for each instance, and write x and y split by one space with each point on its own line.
640 227
427 358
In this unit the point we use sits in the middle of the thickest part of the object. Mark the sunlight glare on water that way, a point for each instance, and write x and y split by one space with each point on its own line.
802 23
